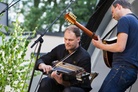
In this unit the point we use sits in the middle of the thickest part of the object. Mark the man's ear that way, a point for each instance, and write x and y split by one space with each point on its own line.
78 39
119 6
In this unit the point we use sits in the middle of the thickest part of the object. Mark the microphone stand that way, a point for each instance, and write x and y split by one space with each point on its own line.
53 23
41 40
8 7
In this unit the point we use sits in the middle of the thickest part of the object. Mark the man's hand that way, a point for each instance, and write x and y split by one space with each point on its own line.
97 43
58 77
45 68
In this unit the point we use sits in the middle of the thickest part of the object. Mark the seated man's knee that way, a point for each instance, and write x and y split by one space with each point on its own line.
73 89
67 89
45 81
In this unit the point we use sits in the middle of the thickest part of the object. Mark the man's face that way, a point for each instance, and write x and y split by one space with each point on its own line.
71 41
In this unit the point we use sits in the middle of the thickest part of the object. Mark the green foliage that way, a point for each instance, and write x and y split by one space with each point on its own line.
43 12
83 9
13 65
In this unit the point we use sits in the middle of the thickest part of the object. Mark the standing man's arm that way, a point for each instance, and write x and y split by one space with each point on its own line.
119 46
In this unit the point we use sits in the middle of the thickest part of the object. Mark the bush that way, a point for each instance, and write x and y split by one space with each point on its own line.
13 65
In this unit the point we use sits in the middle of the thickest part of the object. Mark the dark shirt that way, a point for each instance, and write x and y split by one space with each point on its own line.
80 58
128 24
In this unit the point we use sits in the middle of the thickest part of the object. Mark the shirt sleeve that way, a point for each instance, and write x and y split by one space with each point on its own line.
47 58
123 25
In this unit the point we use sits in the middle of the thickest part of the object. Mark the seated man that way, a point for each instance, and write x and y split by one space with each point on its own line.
78 56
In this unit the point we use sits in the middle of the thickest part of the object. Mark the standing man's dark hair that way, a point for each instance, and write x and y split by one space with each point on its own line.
123 3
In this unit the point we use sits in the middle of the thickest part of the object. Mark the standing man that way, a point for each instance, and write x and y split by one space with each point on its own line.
123 73
80 58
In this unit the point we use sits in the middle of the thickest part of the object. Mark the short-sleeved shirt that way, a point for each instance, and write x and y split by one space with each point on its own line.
128 24
80 58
